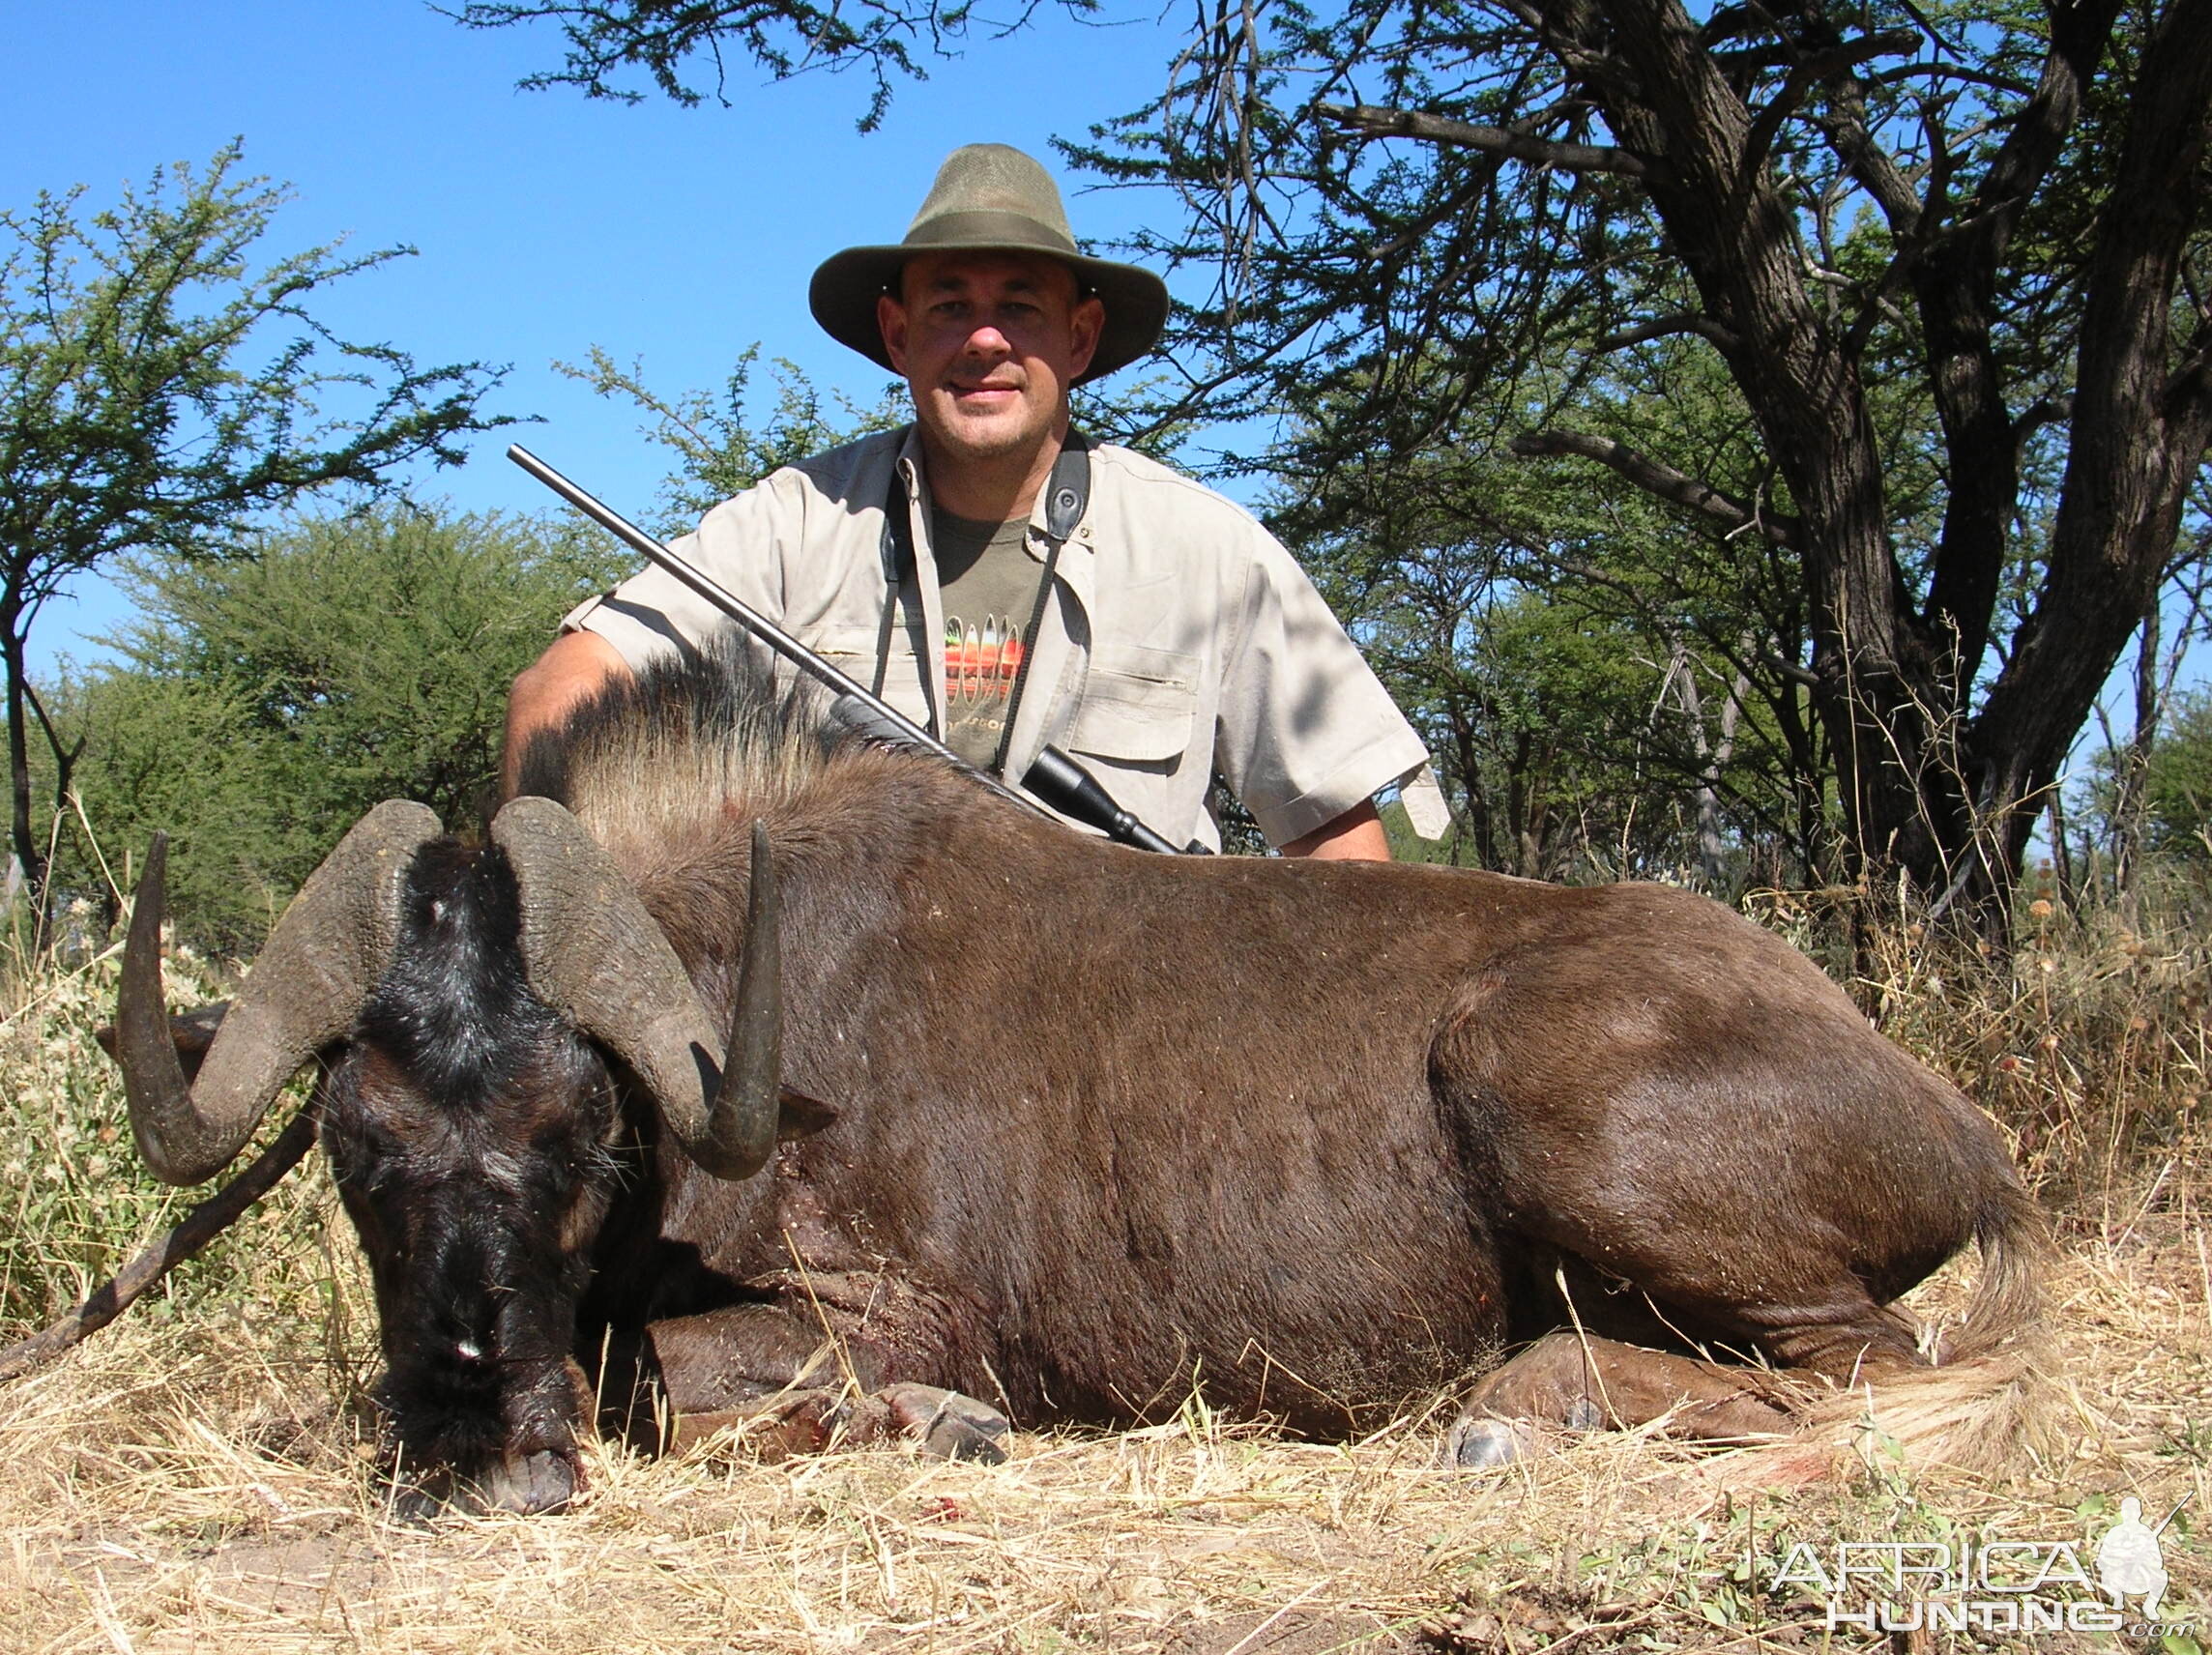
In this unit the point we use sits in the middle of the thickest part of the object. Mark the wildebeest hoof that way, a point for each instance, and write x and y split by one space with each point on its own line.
525 1484
1485 1444
950 1426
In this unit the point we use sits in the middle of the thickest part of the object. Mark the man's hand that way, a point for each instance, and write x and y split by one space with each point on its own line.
569 673
1356 836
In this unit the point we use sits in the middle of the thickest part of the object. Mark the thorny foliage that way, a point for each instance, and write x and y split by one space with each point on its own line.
889 41
156 390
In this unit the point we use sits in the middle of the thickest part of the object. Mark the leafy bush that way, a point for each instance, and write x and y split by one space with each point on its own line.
2178 779
265 701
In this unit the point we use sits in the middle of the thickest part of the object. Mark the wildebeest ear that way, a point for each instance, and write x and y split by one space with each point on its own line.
799 1115
192 1031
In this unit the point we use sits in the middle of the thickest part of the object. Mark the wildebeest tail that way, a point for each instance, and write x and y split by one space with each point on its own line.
1992 1397
2006 1311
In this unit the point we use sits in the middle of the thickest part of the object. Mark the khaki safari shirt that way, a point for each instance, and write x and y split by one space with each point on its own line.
1179 637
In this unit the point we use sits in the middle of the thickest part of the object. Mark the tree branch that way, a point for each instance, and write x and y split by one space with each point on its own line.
2043 411
1704 327
2079 34
1874 167
200 1226
2190 382
1965 75
1662 481
1809 72
65 758
1411 124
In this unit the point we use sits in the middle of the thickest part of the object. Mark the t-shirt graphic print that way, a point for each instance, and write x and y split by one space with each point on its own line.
989 584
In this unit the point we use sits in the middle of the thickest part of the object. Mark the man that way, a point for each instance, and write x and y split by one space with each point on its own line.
1006 586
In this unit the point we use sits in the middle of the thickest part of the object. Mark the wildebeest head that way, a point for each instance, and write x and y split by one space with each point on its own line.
474 1010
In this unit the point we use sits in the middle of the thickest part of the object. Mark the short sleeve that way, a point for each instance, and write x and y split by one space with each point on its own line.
1305 729
744 545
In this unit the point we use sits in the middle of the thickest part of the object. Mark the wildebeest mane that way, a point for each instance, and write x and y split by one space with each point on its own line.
706 725
670 768
717 723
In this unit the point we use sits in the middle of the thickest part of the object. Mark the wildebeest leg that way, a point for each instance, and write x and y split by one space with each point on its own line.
795 1390
1832 1326
1574 1382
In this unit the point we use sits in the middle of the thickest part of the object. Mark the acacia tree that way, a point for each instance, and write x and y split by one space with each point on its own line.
1951 257
156 390
337 662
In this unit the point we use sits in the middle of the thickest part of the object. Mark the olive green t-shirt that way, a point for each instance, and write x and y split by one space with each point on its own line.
989 583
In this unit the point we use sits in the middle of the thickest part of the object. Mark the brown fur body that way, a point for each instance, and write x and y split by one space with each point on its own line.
1320 1137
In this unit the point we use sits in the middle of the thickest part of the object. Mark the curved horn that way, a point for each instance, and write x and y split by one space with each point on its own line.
319 964
747 1108
592 952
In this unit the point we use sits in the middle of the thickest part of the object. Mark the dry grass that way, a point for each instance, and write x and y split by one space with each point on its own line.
194 1479
197 1485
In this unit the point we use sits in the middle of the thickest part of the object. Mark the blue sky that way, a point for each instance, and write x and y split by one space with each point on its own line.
546 223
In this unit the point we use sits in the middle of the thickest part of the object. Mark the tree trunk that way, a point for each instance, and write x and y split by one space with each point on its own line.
2139 435
30 854
1712 758
2130 758
1947 800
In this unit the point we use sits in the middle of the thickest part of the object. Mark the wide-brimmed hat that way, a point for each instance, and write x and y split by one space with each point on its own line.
993 198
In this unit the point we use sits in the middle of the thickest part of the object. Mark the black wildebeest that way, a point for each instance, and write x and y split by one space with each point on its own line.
1096 1123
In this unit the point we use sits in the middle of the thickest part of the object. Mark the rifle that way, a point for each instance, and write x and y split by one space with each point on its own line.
1055 778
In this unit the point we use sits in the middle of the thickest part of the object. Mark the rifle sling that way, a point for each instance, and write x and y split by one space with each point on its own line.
1067 495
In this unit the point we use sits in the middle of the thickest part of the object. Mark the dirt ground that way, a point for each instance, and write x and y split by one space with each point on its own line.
196 1480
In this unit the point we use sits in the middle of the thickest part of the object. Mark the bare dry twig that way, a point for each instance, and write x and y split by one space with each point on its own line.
200 1226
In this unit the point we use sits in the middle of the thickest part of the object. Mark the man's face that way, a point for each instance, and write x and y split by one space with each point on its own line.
990 343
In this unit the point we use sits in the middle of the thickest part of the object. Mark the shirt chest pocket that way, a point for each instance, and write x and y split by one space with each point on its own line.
1138 706
852 652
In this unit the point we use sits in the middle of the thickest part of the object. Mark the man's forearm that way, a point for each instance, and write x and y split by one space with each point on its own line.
576 668
1356 836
